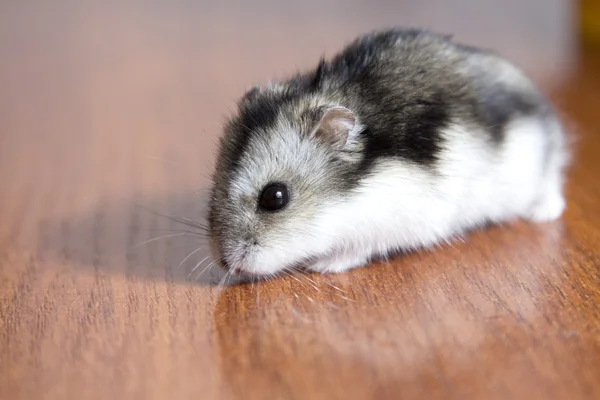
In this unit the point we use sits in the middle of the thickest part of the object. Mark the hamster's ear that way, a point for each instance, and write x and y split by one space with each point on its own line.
337 126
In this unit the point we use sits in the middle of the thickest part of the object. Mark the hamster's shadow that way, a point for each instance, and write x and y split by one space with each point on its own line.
162 237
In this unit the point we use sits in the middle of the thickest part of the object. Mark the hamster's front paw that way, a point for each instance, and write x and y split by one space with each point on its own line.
551 203
549 209
337 263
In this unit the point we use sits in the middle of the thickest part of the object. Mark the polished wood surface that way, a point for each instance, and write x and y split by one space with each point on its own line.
108 118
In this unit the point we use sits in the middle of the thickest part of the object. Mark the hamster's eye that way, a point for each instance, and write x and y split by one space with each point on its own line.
274 197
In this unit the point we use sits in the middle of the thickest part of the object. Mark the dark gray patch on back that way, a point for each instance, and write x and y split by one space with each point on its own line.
404 86
496 105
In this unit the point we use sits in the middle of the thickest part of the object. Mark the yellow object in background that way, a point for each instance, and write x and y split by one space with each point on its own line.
589 21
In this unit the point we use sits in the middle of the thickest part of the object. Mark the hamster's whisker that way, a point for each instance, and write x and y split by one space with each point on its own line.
291 275
272 276
327 283
230 273
300 282
330 304
199 191
158 238
220 285
163 159
195 268
252 284
175 233
298 315
189 222
309 279
311 283
176 246
191 233
207 268
181 220
191 254
333 286
257 296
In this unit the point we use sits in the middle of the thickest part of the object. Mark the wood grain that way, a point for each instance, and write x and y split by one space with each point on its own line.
109 115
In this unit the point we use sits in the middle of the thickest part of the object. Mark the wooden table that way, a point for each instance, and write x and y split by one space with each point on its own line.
109 114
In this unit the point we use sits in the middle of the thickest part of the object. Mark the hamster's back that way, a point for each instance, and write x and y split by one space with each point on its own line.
407 85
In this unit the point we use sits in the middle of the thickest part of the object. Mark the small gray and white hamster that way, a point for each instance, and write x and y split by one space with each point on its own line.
404 140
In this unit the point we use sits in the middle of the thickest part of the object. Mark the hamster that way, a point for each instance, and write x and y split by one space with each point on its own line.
404 140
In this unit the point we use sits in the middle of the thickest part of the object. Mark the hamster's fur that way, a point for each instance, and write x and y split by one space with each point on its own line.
403 140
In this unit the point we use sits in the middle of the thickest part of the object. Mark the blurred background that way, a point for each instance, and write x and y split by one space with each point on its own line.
109 82
85 86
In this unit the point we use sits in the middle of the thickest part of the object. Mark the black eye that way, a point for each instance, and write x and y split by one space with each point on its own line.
274 197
